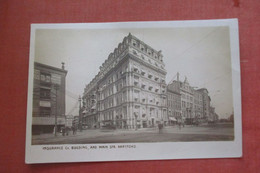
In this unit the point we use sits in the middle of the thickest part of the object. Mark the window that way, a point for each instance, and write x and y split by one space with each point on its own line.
136 91
163 91
45 93
136 77
45 111
45 77
136 69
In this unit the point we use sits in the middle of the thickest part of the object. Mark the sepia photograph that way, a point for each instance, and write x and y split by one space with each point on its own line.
135 85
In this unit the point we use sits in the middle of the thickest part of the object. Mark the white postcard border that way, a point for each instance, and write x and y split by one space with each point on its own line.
142 151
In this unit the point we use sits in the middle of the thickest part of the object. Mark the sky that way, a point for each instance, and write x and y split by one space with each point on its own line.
202 54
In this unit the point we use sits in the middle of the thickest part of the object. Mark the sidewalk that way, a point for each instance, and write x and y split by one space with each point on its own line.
100 133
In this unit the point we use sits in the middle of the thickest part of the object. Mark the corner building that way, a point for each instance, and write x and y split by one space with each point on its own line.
130 90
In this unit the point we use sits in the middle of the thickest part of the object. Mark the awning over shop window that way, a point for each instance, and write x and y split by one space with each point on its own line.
172 119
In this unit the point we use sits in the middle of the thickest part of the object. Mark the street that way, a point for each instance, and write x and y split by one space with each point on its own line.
217 132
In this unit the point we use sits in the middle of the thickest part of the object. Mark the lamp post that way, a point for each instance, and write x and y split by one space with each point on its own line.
80 115
56 87
135 121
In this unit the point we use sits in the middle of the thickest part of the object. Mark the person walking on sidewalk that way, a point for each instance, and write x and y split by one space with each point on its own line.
160 127
74 130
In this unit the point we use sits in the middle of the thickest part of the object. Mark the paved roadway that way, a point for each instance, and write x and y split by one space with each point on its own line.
219 132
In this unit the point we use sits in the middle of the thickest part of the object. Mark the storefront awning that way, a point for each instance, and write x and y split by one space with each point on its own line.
172 119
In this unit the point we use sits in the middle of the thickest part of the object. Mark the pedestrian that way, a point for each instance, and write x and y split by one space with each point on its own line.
63 131
179 124
160 126
67 131
74 130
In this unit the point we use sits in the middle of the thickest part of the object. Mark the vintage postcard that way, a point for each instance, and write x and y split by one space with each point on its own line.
134 91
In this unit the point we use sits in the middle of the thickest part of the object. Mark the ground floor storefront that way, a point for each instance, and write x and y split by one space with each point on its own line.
41 129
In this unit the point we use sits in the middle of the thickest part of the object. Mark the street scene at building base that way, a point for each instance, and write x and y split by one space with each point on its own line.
216 132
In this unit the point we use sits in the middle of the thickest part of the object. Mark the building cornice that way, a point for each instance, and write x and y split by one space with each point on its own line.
50 67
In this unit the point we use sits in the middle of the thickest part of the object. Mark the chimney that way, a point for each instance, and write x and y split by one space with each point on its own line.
63 66
178 76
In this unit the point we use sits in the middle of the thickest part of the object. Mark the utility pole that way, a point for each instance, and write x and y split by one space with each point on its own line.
80 115
56 87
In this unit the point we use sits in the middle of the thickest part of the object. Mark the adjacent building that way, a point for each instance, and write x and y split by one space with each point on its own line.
187 99
195 103
129 91
206 103
198 106
48 98
174 102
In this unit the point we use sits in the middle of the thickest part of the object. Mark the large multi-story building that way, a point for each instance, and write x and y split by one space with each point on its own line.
187 99
206 103
174 102
48 98
130 90
198 106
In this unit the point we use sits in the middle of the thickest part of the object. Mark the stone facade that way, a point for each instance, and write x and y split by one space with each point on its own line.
174 102
206 103
129 91
187 101
198 106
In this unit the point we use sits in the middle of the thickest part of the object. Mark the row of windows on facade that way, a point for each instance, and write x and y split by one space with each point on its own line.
150 88
174 104
118 76
148 59
110 91
47 77
145 50
173 113
45 111
187 97
148 75
186 104
110 115
174 97
122 98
